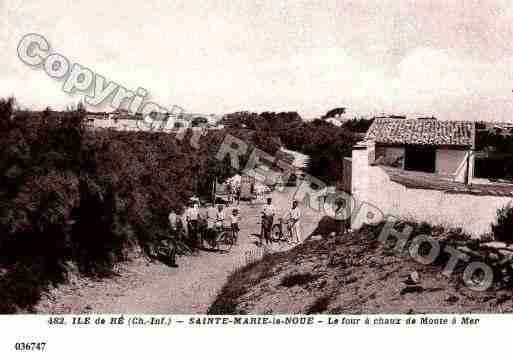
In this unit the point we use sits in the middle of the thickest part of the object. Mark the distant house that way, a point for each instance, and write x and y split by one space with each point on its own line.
122 120
425 145
118 120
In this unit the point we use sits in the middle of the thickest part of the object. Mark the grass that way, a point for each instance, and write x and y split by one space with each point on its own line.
289 274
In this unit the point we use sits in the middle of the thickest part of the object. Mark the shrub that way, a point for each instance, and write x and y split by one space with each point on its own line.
503 229
70 195
292 280
320 305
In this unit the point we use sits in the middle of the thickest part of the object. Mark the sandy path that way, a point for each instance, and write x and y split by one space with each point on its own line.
192 286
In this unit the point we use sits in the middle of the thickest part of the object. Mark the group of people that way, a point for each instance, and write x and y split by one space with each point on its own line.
202 223
198 224
234 192
268 217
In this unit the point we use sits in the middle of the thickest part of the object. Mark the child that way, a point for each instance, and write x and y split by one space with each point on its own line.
234 220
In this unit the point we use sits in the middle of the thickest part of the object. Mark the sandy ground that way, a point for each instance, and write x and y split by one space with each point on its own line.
153 288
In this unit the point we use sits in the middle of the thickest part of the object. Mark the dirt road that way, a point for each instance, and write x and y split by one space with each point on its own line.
188 289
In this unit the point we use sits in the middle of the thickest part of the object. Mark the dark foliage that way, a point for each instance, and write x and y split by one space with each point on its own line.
498 161
503 229
335 112
360 125
320 305
323 142
71 195
300 279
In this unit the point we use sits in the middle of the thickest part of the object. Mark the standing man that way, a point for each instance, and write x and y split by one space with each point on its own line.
251 191
237 193
203 224
173 226
268 212
220 217
210 219
342 215
295 215
173 221
229 190
234 222
192 216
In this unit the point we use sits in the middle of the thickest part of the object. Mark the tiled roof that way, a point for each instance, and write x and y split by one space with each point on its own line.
421 132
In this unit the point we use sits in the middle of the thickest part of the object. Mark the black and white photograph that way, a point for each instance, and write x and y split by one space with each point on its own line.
269 163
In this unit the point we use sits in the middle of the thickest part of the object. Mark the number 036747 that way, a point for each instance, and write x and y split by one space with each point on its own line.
26 346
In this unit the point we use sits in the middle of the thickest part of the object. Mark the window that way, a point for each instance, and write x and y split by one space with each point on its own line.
420 158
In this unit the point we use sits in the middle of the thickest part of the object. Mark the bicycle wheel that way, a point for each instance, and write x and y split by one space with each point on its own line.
289 236
275 233
224 242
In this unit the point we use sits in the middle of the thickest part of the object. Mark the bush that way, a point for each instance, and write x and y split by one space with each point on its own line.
324 143
503 229
71 195
320 305
300 279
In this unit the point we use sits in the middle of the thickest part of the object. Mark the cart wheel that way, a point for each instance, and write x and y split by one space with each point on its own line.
275 233
224 242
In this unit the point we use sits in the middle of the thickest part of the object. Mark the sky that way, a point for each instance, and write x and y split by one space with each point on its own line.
450 59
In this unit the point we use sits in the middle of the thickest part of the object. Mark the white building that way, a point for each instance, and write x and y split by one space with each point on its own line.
421 170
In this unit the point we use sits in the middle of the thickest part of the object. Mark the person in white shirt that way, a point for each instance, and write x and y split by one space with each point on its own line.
220 217
295 216
210 216
268 212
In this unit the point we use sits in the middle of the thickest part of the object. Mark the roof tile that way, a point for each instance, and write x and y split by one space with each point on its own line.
421 132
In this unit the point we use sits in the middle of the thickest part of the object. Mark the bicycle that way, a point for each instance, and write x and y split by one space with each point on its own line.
282 232
166 250
223 240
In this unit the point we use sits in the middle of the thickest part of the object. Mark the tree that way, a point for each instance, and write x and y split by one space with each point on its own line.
503 229
336 112
242 119
81 107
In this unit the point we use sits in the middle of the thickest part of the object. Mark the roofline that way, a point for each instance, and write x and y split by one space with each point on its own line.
389 144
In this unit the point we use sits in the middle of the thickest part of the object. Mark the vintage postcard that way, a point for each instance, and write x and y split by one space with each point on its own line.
311 171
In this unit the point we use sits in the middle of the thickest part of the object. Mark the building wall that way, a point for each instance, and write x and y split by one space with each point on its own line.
371 184
448 161
129 124
120 124
391 155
